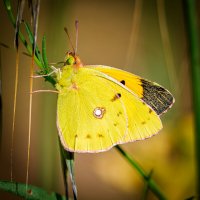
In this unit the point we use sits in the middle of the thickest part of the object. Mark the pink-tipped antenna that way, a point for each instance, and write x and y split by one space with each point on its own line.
76 27
69 39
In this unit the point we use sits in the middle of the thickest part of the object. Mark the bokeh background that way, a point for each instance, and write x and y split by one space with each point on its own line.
147 38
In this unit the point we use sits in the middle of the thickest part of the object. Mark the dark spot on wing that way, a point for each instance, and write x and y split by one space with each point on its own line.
88 136
100 135
150 111
123 82
158 98
116 96
119 95
76 136
119 113
116 123
143 122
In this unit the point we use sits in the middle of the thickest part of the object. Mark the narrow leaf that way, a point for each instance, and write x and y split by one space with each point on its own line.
29 192
44 55
36 9
31 39
20 10
4 45
0 102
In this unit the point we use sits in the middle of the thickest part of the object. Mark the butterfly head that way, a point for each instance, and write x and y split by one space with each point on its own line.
72 59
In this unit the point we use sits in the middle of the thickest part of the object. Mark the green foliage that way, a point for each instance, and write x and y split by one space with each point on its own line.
29 192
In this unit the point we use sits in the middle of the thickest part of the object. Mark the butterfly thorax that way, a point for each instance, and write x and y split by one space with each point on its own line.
67 77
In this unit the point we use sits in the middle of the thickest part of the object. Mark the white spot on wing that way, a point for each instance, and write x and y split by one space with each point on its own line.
99 112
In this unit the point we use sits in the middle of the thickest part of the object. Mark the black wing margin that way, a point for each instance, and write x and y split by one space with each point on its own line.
157 97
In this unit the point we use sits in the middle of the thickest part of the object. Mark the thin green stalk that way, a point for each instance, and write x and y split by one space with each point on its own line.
192 23
44 55
146 187
1 113
151 183
64 168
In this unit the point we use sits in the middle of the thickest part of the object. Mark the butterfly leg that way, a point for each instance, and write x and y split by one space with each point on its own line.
49 91
55 70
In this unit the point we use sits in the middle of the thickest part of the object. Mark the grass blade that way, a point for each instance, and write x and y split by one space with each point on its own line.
190 7
31 39
30 193
151 183
36 8
0 101
20 10
44 55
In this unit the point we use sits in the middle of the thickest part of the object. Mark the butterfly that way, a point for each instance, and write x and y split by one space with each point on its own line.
99 106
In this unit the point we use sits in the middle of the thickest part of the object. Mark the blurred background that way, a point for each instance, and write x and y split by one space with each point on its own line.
147 38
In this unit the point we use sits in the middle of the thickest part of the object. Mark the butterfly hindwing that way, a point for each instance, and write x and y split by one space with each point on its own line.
86 115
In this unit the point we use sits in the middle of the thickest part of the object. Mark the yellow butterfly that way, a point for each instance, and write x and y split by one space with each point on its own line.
100 106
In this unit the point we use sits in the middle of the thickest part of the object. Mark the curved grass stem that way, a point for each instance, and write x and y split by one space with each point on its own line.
151 183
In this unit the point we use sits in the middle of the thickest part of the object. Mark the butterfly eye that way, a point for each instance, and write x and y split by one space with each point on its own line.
69 60
99 112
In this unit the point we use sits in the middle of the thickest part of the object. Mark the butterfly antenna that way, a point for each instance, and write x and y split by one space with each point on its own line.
66 31
76 26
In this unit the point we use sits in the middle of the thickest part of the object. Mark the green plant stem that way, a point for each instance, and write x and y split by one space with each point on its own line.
146 187
151 183
192 23
1 111
64 168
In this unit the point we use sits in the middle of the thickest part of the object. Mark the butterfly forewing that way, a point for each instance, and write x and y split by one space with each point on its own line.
157 97
143 121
